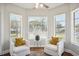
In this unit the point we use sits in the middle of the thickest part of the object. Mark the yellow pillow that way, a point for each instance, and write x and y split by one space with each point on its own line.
23 42
19 42
54 40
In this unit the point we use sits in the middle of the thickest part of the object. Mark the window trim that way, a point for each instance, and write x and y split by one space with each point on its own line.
73 26
37 16
21 23
55 24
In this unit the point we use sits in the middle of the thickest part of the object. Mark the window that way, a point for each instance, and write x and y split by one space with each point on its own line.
76 26
37 26
60 26
15 25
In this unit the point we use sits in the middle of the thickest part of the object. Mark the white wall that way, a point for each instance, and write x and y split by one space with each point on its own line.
6 9
9 8
5 23
46 13
0 29
71 46
43 12
67 9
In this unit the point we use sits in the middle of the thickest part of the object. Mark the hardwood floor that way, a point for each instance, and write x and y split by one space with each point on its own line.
40 52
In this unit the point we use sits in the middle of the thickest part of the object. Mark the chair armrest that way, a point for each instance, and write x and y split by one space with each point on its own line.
28 43
60 47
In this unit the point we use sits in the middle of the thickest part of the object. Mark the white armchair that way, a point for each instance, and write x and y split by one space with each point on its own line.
20 50
55 50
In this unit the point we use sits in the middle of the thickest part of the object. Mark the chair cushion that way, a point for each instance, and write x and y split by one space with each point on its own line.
20 48
51 47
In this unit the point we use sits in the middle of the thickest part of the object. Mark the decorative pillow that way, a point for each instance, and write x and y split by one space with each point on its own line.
23 42
54 40
19 42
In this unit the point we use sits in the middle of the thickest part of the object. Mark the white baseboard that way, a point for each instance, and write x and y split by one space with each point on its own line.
6 51
72 52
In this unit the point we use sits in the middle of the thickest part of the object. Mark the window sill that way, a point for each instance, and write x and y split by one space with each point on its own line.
74 43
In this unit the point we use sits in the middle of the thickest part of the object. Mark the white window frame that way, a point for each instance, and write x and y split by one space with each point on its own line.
55 24
21 23
73 27
38 16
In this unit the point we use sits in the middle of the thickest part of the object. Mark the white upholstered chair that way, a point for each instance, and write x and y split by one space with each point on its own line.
55 50
20 50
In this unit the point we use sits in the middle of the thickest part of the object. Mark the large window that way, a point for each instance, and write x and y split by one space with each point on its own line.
37 26
76 26
60 26
15 25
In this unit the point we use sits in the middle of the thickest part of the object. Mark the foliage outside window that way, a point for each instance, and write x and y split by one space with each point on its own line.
37 26
60 26
15 25
76 26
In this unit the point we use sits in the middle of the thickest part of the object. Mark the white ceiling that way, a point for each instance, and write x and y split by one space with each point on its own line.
32 5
